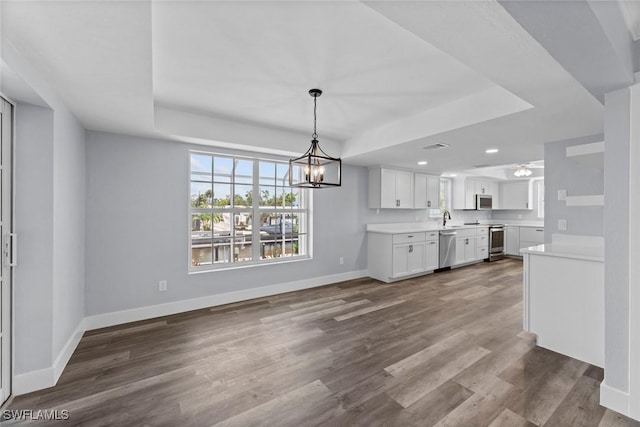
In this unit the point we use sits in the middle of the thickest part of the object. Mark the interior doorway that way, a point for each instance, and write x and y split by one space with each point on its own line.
8 245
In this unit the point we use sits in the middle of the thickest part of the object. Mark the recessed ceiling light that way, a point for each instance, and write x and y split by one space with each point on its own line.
491 150
422 162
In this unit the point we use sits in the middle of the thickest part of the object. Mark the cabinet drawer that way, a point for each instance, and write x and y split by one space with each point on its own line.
482 241
433 235
482 231
532 234
481 253
409 237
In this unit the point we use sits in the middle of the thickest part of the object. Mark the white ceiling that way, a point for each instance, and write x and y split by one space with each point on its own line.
396 75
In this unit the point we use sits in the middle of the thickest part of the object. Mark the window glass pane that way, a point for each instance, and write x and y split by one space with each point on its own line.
242 195
267 196
201 195
281 197
222 169
293 198
201 254
201 164
267 173
222 195
243 236
243 172
221 225
282 174
221 251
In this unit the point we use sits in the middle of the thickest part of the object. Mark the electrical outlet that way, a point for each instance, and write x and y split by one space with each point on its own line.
562 194
162 285
562 224
341 260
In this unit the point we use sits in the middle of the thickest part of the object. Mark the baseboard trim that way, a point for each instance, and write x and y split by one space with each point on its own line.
614 399
149 312
67 351
48 377
32 381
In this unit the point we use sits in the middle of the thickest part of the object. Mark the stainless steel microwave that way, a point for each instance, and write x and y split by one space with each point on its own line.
484 202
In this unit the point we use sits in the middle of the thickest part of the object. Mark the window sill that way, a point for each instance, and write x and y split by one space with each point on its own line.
227 267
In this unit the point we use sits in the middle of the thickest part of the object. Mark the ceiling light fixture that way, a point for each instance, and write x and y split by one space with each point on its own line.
522 170
422 162
315 168
491 151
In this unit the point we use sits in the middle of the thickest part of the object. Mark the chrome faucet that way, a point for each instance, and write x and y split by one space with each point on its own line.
445 214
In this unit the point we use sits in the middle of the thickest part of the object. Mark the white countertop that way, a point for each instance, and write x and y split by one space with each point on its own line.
567 250
412 227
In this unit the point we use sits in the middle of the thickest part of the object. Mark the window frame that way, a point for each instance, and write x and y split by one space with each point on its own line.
256 210
540 200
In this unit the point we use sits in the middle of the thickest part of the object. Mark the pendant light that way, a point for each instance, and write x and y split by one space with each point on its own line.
315 168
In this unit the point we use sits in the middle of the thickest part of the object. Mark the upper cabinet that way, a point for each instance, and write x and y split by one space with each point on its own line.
400 189
515 195
427 191
465 190
390 188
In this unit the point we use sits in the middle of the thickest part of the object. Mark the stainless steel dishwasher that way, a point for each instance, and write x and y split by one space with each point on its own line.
447 248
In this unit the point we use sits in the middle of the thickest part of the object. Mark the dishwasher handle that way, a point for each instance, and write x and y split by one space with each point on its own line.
453 233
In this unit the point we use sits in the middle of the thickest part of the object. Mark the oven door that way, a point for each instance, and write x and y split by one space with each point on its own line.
496 240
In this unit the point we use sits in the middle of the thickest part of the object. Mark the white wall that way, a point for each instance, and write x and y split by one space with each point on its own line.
50 201
616 228
33 276
137 228
578 179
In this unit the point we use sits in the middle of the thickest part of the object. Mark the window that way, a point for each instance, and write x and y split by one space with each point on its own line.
445 196
540 187
243 212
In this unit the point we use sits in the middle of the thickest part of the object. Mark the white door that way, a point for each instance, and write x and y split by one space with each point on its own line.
470 249
6 143
431 258
416 257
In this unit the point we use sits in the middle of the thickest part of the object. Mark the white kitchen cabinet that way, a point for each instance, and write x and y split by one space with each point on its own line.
465 190
408 258
516 195
531 236
390 189
432 253
469 249
465 245
400 255
512 240
482 244
460 250
426 191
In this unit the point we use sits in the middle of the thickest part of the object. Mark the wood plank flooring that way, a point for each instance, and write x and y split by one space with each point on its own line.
440 350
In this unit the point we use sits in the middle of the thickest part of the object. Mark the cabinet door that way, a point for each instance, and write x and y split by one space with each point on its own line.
512 238
460 245
516 195
469 249
420 194
408 258
416 257
433 192
494 190
482 187
470 194
431 257
388 197
404 189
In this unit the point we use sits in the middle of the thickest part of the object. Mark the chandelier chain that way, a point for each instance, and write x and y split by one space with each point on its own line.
315 133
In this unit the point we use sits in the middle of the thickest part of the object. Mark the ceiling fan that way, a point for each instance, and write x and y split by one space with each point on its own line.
523 170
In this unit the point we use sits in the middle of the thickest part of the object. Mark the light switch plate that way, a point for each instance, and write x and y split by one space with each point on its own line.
562 194
562 224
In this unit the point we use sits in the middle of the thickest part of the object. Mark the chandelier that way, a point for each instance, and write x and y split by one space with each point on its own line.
315 168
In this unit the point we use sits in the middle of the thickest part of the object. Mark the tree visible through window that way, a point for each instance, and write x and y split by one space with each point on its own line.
231 226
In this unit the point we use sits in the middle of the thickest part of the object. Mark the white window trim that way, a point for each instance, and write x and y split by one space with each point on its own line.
255 261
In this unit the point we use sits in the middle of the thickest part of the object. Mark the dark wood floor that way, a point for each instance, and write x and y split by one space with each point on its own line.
445 349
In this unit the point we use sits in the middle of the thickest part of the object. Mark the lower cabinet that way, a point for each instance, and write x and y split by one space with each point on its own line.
432 251
396 256
408 258
512 240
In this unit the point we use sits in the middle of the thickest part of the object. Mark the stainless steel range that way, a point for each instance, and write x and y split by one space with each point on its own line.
496 242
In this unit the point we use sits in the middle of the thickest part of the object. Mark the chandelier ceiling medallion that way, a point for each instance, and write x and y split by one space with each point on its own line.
315 168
